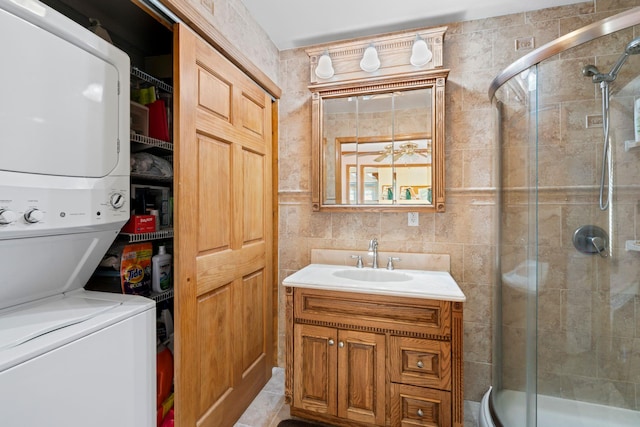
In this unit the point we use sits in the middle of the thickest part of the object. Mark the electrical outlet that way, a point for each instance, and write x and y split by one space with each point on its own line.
414 219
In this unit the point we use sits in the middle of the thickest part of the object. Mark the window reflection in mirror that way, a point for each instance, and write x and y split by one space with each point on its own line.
377 149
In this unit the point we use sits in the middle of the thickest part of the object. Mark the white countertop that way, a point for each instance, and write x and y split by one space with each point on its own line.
412 283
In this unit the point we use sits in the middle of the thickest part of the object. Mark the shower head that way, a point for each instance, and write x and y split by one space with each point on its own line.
632 48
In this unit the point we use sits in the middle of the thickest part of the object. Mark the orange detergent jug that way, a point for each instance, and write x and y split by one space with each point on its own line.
164 375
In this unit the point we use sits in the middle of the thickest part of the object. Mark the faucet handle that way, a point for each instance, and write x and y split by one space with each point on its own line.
359 260
390 262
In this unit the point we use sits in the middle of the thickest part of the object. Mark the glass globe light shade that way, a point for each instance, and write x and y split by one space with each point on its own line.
420 53
370 61
324 70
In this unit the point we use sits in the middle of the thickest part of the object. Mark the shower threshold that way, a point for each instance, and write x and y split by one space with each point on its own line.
558 412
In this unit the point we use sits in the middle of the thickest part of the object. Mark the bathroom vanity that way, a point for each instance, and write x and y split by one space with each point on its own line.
374 347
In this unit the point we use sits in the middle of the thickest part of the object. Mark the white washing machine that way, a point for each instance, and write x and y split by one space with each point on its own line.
68 357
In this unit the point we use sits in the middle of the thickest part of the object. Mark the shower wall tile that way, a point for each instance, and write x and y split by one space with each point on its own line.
571 87
512 20
549 310
475 349
549 225
567 352
476 378
505 38
595 390
574 128
600 48
561 12
477 307
615 5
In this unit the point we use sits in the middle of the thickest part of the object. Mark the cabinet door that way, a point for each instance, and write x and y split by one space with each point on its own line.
315 367
223 269
361 377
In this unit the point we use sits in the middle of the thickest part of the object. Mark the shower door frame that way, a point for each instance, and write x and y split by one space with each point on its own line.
583 35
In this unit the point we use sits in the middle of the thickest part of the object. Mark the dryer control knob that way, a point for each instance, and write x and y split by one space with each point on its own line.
117 200
7 216
34 215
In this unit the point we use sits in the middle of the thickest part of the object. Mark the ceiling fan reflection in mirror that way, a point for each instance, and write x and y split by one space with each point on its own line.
407 151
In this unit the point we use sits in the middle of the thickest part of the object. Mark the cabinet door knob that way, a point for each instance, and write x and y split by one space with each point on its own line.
420 364
340 344
331 342
420 413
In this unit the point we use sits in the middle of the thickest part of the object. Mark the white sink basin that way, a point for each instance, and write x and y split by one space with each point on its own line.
409 283
370 275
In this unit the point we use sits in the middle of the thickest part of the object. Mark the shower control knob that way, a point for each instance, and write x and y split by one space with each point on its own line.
117 200
34 215
7 216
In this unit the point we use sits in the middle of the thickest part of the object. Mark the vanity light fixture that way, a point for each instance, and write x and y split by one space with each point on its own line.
324 70
420 53
370 61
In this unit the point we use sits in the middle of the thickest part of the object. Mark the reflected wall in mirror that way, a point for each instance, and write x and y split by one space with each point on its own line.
377 149
381 150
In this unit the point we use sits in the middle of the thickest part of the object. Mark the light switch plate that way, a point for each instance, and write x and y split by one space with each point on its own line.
413 220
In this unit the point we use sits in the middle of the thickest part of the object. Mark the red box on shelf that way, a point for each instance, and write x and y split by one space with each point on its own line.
140 224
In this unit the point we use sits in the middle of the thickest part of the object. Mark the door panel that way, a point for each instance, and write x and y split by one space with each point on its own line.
361 377
224 239
214 194
315 365
215 361
253 343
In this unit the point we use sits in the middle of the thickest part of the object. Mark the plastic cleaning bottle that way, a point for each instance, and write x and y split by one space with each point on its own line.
161 270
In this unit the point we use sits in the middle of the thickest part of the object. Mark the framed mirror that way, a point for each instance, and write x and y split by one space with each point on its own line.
379 146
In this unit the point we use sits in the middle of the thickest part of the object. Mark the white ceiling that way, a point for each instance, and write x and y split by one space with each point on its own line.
297 23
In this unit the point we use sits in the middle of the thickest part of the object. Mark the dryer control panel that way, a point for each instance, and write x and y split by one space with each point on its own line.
58 204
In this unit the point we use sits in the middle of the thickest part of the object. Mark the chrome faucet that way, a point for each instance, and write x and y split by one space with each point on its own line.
373 251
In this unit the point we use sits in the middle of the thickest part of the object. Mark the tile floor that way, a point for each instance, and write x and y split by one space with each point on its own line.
268 408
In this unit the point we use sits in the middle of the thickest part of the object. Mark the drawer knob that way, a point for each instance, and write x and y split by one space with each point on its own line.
420 364
420 413
331 342
340 344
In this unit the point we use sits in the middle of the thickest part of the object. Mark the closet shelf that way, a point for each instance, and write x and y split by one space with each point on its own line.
168 294
156 178
143 237
146 142
150 79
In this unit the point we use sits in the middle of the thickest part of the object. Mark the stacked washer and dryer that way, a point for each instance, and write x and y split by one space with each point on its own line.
68 357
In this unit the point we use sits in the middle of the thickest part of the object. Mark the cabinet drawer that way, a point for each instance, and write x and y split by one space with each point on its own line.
416 406
344 309
420 362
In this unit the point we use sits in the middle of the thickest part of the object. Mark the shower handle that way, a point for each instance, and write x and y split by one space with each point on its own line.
591 239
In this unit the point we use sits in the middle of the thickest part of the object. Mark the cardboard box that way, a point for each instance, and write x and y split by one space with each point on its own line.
139 116
140 224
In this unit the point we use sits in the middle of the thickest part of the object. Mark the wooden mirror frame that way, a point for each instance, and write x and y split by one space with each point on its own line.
434 79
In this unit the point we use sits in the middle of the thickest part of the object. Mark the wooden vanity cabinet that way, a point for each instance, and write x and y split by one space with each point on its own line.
355 359
341 373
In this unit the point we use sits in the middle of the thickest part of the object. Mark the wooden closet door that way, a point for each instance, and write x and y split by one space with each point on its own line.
223 242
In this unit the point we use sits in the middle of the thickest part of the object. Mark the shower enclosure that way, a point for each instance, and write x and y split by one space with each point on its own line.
567 301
